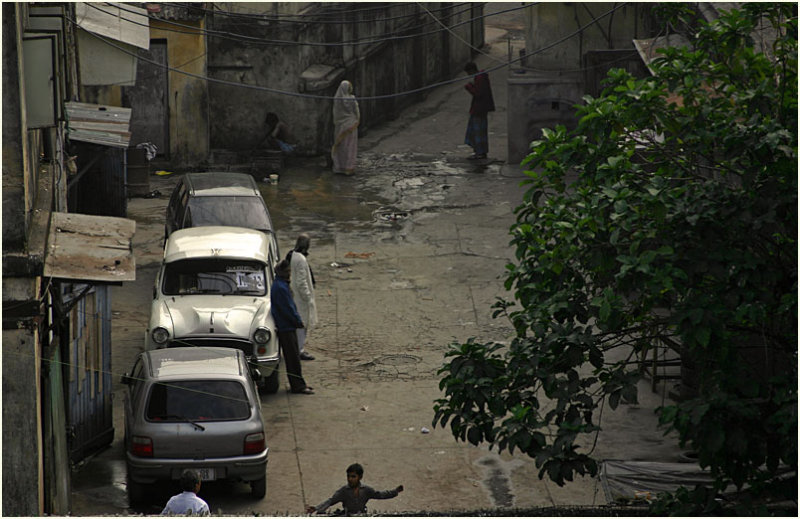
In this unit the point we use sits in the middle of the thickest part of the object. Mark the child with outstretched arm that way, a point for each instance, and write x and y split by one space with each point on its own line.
354 495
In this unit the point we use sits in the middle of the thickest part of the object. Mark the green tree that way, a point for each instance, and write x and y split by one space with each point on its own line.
669 213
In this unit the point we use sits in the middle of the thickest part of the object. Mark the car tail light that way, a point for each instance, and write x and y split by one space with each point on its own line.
142 446
254 443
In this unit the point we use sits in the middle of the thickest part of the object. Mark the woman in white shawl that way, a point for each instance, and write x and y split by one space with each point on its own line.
346 116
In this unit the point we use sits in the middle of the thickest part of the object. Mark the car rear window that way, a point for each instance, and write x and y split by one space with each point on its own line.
214 276
237 211
198 401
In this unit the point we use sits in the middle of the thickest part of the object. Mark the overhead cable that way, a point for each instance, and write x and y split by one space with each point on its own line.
400 34
338 7
458 37
360 98
311 17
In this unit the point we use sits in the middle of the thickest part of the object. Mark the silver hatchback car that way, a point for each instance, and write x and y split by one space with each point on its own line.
193 408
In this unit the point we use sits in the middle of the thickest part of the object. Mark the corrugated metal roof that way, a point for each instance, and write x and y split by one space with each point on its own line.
122 22
91 248
647 48
98 124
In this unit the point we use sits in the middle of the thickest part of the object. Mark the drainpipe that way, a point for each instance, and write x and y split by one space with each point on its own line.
177 137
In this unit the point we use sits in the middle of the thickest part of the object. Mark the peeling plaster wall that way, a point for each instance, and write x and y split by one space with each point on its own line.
22 464
237 114
550 22
16 200
542 95
188 96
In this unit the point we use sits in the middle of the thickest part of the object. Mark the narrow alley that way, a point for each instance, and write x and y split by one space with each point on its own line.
408 256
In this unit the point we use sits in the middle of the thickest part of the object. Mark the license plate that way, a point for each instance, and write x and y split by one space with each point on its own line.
206 474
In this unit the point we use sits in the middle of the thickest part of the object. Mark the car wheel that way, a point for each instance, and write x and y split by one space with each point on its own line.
272 383
136 492
258 487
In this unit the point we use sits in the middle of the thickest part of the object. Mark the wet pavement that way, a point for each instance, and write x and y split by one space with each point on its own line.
408 255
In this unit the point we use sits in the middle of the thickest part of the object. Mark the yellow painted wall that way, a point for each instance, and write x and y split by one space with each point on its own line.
188 96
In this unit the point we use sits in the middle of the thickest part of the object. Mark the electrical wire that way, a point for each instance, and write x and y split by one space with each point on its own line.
465 42
392 36
87 367
337 9
263 41
314 17
361 98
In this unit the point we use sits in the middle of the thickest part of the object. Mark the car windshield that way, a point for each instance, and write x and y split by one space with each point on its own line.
198 401
238 211
214 276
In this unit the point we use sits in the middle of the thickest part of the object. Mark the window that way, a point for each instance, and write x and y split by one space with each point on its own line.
214 276
238 211
198 401
172 207
136 386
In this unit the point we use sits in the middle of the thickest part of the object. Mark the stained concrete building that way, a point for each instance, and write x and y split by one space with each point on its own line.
212 71
57 264
294 55
569 48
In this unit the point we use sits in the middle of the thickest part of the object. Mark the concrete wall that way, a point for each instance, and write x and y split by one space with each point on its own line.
16 203
29 193
552 78
548 22
376 68
188 96
22 463
539 102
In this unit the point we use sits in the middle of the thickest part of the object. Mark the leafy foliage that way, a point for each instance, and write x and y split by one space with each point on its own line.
670 213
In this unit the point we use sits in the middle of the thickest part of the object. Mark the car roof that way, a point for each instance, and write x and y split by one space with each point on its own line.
216 241
194 361
221 183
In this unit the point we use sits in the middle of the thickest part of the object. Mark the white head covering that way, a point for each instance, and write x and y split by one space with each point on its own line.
345 107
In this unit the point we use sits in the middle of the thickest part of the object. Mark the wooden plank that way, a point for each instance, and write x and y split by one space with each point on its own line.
93 248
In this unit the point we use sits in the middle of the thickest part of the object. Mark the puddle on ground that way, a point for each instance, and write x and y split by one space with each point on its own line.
497 479
364 203
324 200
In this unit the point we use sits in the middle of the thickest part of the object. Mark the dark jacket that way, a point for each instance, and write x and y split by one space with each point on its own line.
283 309
355 504
482 99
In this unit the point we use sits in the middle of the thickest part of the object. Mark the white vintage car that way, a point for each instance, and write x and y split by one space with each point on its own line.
213 289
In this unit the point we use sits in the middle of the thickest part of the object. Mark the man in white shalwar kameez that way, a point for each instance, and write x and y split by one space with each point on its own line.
302 287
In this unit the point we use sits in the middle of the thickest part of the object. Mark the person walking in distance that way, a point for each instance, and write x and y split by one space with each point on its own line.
346 116
302 286
187 502
287 321
354 495
482 103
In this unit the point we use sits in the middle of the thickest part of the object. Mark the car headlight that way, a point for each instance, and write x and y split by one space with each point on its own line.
160 335
261 336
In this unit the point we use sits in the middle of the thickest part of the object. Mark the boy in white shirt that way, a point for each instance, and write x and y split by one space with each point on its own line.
187 502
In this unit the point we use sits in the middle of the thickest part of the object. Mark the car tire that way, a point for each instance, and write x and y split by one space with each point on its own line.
258 487
137 492
272 383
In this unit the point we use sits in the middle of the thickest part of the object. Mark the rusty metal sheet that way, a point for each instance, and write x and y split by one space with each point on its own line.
648 48
91 248
122 22
98 124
